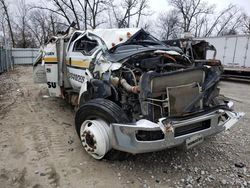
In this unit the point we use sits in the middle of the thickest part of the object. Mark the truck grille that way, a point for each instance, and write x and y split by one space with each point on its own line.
149 135
195 127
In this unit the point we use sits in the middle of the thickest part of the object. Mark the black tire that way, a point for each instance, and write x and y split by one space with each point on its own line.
106 110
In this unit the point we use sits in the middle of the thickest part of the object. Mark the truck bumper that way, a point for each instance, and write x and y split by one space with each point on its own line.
126 137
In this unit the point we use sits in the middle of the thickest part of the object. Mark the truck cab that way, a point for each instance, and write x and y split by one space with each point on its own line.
133 93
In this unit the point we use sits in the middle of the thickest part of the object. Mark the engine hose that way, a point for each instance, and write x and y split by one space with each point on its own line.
169 57
134 78
128 87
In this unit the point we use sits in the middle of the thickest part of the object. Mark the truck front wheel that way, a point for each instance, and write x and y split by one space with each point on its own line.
92 123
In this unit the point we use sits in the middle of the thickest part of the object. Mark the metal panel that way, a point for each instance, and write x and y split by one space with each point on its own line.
219 44
247 54
229 52
24 56
240 51
6 62
233 51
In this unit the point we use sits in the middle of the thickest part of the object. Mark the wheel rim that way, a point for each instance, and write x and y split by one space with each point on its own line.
95 137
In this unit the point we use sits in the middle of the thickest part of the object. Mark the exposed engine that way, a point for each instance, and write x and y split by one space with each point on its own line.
133 85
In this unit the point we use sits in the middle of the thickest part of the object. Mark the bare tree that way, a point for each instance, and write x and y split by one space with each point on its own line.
199 25
128 5
35 26
4 6
70 5
189 10
143 5
130 10
58 8
95 8
84 7
217 20
88 11
36 31
52 19
22 26
168 24
229 21
39 26
246 24
44 24
3 23
200 19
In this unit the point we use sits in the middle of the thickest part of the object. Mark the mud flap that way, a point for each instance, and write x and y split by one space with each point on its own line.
39 74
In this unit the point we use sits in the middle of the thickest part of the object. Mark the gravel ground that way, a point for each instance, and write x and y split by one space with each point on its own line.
39 147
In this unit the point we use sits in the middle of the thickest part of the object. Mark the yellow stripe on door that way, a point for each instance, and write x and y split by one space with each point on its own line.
79 63
50 59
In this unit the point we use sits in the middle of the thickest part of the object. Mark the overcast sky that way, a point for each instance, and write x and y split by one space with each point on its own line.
162 5
158 6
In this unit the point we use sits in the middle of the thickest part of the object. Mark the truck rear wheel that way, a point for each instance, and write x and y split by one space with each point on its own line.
92 126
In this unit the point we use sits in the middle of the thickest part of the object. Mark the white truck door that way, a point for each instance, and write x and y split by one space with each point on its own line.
80 57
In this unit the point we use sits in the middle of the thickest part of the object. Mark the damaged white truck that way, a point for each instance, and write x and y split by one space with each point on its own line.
133 93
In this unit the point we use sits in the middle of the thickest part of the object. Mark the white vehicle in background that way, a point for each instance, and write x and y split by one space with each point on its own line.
234 52
133 93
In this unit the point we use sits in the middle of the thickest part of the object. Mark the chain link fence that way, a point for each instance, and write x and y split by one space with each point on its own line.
6 60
